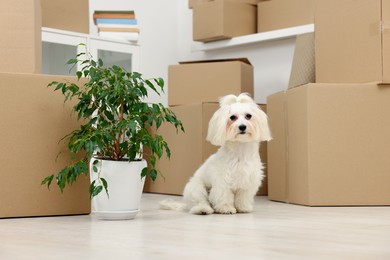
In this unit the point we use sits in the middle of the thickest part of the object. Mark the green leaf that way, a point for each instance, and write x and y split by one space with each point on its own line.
144 172
59 85
72 61
105 185
153 174
150 84
47 181
96 190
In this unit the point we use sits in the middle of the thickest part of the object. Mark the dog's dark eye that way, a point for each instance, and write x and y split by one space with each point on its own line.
248 116
233 117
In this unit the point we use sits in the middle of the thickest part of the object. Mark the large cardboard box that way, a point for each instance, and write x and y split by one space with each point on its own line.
222 19
189 150
331 145
69 15
280 14
352 41
206 81
20 41
34 119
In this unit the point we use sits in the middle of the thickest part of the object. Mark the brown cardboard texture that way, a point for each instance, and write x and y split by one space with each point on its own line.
69 15
352 41
189 150
303 65
20 41
34 119
220 19
192 3
330 145
280 14
206 81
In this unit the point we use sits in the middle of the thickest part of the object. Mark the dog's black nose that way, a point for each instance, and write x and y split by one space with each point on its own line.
242 128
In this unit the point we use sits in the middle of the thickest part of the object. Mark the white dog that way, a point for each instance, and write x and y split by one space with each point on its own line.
229 179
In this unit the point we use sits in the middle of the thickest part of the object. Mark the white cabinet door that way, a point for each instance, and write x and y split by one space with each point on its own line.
115 53
59 46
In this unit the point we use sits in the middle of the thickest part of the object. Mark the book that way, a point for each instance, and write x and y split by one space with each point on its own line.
113 15
109 29
127 36
115 12
117 25
115 21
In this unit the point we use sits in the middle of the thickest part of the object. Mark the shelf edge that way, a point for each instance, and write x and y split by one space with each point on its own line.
253 38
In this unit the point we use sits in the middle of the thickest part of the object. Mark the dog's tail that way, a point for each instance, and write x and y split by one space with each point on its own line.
170 204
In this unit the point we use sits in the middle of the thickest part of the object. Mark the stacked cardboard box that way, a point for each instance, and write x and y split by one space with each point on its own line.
331 139
194 99
280 14
34 120
69 15
223 19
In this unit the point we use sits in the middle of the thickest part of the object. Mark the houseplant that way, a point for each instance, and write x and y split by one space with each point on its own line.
115 128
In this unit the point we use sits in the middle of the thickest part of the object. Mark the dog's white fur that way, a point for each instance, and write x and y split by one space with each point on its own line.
229 179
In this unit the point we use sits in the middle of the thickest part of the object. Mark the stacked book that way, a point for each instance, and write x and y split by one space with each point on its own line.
117 24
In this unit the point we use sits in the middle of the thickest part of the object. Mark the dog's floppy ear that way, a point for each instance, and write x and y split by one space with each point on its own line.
216 133
263 131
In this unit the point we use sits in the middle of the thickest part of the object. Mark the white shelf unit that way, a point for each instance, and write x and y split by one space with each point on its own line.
65 46
253 38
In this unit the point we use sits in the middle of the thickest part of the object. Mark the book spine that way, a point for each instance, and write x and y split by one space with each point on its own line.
117 25
114 12
116 21
108 29
112 16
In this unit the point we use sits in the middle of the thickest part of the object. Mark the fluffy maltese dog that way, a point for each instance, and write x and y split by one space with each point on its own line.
228 180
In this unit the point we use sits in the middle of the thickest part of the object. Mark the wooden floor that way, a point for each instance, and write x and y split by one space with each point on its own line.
273 231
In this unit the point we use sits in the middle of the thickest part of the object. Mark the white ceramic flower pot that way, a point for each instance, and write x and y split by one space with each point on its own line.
125 187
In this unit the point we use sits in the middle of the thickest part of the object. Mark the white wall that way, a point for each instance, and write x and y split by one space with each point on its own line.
166 38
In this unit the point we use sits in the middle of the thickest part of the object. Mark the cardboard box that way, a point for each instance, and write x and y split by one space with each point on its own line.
34 119
221 19
352 41
303 65
206 81
20 41
192 3
69 15
330 145
280 14
189 150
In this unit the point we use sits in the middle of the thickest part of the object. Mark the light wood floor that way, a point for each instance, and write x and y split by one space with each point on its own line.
273 231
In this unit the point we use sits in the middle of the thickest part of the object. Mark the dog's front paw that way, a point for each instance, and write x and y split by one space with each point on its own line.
225 209
247 209
201 210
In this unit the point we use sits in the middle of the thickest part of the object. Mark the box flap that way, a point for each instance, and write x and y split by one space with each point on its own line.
244 60
303 66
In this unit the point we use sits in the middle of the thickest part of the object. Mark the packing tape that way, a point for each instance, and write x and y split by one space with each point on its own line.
385 26
375 28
